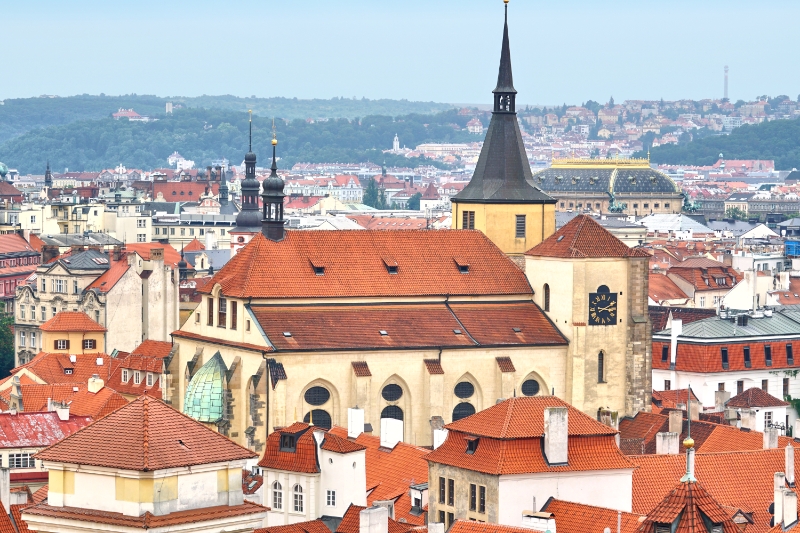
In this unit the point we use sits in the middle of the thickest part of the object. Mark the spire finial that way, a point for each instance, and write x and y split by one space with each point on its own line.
251 129
274 135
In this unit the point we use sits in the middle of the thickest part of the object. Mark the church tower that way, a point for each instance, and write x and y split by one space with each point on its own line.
272 224
248 221
500 200
48 177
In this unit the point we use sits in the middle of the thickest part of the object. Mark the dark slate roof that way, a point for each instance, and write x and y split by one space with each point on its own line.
86 260
79 239
505 79
173 208
602 179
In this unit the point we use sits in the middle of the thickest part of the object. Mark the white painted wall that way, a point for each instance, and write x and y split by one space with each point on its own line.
347 475
609 488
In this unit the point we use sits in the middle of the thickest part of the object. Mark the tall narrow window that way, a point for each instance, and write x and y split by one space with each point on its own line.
739 387
547 297
441 517
468 220
222 313
664 353
601 368
482 500
210 311
234 310
785 384
765 385
724 355
298 499
667 384
442 490
747 362
451 490
520 227
473 497
789 355
768 355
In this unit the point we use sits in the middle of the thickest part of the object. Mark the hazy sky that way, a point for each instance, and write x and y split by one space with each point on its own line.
441 50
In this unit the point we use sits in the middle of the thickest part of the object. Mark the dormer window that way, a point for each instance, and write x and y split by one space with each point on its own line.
472 445
663 528
125 375
137 377
288 443
319 270
68 371
392 269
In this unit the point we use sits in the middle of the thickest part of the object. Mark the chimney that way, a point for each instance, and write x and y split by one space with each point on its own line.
435 527
5 488
721 397
789 508
391 432
76 248
694 411
770 438
555 435
675 421
355 422
667 443
49 252
778 486
789 467
157 254
373 520
95 384
675 331
748 419
117 253
62 410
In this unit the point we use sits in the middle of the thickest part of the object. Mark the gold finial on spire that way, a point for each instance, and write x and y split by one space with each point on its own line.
505 1
251 114
274 136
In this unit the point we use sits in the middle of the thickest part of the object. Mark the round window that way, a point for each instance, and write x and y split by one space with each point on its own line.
465 390
317 396
392 393
463 410
321 418
392 411
530 387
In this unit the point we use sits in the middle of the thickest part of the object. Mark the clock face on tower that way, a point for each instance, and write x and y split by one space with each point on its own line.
602 308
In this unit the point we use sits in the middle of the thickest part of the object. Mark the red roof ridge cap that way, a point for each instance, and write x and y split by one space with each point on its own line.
145 422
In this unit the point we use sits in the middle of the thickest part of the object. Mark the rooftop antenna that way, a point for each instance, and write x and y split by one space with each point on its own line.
251 129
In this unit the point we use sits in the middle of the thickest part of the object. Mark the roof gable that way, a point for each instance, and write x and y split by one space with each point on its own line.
584 237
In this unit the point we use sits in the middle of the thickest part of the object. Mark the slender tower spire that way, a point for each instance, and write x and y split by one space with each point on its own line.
688 442
249 219
272 224
48 177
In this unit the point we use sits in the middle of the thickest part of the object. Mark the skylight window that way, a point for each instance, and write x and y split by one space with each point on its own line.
457 331
517 330
319 270
287 333
559 238
383 333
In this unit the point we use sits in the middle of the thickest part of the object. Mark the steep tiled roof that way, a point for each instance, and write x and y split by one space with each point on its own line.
390 473
11 242
419 325
194 245
523 417
705 279
110 277
171 255
433 366
708 357
147 520
144 364
505 364
354 265
71 321
51 367
96 405
669 399
215 340
334 443
472 526
689 503
40 495
16 516
584 237
32 430
35 395
755 397
574 517
351 522
311 526
145 435
303 459
661 288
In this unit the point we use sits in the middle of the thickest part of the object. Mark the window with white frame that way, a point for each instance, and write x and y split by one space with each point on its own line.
21 460
702 301
297 495
141 223
59 285
137 377
767 418
150 379
141 237
125 375
22 311
22 339
277 496
331 498
62 344
33 339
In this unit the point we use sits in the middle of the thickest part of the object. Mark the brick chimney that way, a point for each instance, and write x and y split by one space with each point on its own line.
675 421
555 435
49 252
157 254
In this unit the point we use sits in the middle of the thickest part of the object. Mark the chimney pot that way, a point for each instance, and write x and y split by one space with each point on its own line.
789 468
355 422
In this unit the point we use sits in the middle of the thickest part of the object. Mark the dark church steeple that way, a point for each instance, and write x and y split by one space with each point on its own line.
48 177
272 224
505 95
249 218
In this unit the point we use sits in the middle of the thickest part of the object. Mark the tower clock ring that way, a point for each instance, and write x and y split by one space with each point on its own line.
602 307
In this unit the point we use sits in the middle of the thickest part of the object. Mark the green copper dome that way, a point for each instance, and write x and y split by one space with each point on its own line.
204 396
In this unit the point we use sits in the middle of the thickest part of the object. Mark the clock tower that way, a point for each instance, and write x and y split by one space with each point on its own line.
594 288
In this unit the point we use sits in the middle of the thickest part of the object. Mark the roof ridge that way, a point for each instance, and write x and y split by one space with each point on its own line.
581 222
145 424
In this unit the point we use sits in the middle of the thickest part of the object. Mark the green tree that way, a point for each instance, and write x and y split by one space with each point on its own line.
371 193
413 202
381 203
6 342
611 102
735 213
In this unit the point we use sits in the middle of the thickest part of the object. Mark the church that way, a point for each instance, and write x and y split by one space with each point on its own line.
424 327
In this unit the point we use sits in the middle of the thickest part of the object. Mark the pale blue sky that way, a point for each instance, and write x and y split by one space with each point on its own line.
441 50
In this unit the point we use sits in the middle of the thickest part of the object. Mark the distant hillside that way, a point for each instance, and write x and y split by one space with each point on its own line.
18 116
202 135
778 140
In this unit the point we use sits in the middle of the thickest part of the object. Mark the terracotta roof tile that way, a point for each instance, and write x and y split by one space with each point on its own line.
144 364
434 366
334 443
390 473
688 503
194 246
35 396
361 369
71 321
574 517
40 495
145 435
214 340
351 522
147 520
472 526
584 237
108 279
507 323
505 364
671 398
96 405
52 367
755 397
304 457
353 262
661 288
171 255
707 357
311 526
705 279
16 516
33 430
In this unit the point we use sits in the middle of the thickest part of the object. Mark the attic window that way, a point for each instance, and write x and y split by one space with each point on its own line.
318 266
462 264
457 331
392 269
383 333
560 237
288 443
662 528
517 330
464 269
287 334
472 444
319 270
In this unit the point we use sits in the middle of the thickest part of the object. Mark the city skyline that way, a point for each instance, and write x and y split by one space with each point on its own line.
443 52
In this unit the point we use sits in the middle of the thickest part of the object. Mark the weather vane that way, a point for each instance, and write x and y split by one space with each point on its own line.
274 135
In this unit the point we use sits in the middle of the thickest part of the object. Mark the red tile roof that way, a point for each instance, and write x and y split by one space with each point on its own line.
472 526
334 443
755 397
354 265
108 279
574 517
194 246
171 255
214 340
33 430
584 237
182 191
523 417
303 459
497 324
145 435
16 516
35 395
390 473
147 520
689 503
669 399
71 321
153 348
707 357
40 495
51 367
312 526
142 363
705 279
505 364
361 369
661 288
351 522
11 242
96 404
434 366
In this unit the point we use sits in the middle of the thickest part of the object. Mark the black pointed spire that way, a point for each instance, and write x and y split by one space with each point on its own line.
272 224
182 266
503 173
48 177
249 219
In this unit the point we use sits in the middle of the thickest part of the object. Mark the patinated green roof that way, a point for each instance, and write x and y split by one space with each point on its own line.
204 399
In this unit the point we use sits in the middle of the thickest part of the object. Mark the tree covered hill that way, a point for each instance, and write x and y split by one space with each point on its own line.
778 140
203 135
18 116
